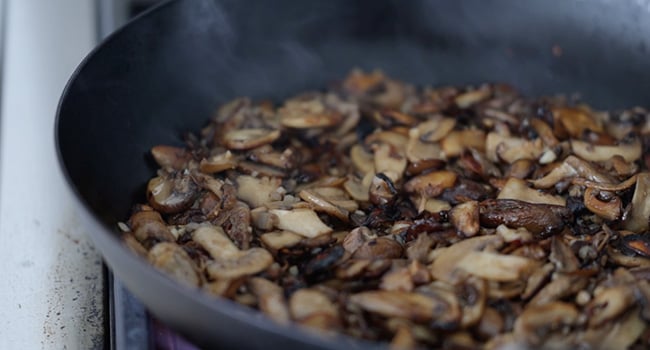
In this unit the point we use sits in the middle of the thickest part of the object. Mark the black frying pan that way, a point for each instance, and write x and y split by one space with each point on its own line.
167 71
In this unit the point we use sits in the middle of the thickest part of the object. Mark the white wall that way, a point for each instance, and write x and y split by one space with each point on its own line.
50 276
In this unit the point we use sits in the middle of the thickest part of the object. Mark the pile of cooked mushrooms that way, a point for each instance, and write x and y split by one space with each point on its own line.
450 217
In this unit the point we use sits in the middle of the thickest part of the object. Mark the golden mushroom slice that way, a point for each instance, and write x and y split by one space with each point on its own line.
322 204
228 261
304 222
312 308
637 217
434 129
277 240
172 193
362 160
465 218
270 298
243 139
536 322
171 157
417 307
431 184
630 150
257 191
458 141
509 149
519 190
218 163
172 259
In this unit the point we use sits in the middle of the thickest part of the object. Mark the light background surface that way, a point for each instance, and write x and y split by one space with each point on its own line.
51 282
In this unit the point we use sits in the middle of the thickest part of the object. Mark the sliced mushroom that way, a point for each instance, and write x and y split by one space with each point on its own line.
536 322
379 248
321 203
510 149
171 157
243 139
575 121
418 151
266 154
172 193
470 98
308 111
304 222
389 161
639 215
445 267
277 240
573 167
270 299
620 335
148 227
495 267
362 160
458 141
473 299
519 234
382 189
597 153
173 260
359 189
431 184
434 129
519 190
218 163
257 191
414 306
610 209
540 219
229 262
397 280
562 256
465 218
312 308
609 303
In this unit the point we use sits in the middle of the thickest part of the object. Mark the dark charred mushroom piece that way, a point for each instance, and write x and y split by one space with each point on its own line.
540 219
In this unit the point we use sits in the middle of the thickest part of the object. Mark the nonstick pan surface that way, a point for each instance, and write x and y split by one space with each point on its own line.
166 72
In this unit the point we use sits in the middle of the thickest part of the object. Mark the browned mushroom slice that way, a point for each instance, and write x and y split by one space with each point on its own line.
445 267
465 218
362 160
270 299
473 297
397 280
418 151
356 238
458 141
312 308
229 262
637 217
496 267
286 159
218 163
148 225
172 259
575 121
337 197
620 335
431 184
277 240
382 189
630 151
540 219
609 303
491 323
389 161
561 286
509 235
257 191
172 193
256 169
573 167
519 190
243 139
510 149
359 189
379 248
604 204
321 203
434 129
226 288
562 256
403 339
536 322
470 98
413 306
537 279
306 112
132 243
544 131
304 222
171 157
